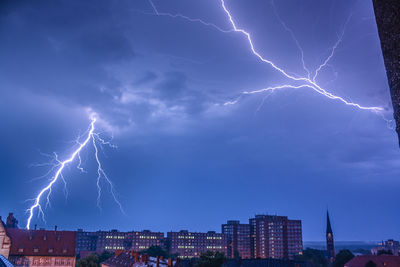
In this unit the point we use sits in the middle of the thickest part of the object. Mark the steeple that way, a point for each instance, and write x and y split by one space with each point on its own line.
330 247
328 224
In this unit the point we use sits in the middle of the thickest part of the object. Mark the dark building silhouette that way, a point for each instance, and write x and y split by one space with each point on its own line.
238 239
11 221
330 247
387 16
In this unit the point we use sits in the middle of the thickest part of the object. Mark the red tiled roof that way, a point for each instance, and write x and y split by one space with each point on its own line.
380 261
41 242
127 258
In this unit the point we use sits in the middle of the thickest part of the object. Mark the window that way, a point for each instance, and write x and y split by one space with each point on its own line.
36 250
20 250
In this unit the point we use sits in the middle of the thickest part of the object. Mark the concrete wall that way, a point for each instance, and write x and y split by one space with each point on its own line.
387 15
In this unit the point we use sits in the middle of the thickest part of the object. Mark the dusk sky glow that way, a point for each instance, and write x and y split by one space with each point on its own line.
203 130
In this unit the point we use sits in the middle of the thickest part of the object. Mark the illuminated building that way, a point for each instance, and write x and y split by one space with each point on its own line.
88 242
275 237
388 246
192 244
145 239
238 239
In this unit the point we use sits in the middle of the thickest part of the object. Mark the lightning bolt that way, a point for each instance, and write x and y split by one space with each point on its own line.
187 18
46 191
307 82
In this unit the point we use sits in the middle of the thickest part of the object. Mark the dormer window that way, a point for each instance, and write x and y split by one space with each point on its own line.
64 250
20 249
36 250
45 237
51 250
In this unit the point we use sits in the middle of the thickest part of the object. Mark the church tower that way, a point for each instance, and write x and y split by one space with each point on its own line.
329 239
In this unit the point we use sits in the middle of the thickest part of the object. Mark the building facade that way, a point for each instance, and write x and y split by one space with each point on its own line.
5 241
143 240
42 247
275 237
330 246
89 242
192 244
238 239
388 246
86 242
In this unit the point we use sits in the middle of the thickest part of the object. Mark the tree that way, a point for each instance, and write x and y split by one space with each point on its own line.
385 252
370 264
155 251
314 256
105 256
94 260
209 259
91 260
342 257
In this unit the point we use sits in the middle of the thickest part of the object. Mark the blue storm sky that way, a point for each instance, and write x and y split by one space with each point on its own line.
184 160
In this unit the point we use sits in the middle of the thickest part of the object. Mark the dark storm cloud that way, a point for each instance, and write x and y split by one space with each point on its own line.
160 84
172 86
148 76
53 49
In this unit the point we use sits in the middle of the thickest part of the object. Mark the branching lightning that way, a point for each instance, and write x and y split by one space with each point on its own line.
60 165
307 81
187 18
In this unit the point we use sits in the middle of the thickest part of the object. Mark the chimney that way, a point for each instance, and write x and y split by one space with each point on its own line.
146 258
118 252
136 256
169 262
158 261
55 228
35 226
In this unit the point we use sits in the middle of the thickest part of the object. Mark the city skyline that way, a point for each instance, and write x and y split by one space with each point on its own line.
158 81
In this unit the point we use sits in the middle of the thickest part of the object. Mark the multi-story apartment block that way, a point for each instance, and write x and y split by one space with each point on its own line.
275 237
114 240
192 244
86 241
238 239
145 239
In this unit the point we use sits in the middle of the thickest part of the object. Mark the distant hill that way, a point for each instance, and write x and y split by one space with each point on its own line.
357 247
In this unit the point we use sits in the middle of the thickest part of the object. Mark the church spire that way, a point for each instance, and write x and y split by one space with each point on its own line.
328 224
330 247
